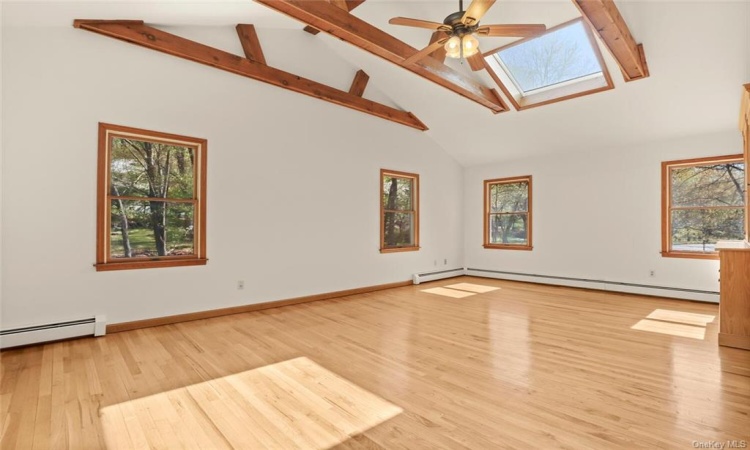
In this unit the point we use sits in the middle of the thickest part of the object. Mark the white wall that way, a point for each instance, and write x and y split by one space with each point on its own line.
596 215
292 181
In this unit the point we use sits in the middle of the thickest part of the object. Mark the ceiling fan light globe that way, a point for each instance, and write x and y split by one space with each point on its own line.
470 45
453 47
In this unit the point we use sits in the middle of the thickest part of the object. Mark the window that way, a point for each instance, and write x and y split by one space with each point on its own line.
702 203
507 213
399 211
151 199
565 62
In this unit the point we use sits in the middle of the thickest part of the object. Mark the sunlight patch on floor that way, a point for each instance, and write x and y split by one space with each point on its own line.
448 292
470 287
671 328
686 318
290 404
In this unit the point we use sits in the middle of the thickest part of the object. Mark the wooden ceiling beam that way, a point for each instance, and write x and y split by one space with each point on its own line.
328 18
605 18
359 83
136 32
250 43
346 5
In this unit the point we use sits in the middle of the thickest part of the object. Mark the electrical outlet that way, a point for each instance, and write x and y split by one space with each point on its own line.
445 262
652 274
240 285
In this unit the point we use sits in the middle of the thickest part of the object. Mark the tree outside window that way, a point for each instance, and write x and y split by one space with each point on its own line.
507 213
151 199
703 203
399 211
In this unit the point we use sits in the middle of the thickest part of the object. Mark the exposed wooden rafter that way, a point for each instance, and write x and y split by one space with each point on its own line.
250 43
359 84
331 19
346 5
136 32
605 18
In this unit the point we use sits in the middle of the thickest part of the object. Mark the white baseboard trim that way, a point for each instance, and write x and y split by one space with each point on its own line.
615 286
437 275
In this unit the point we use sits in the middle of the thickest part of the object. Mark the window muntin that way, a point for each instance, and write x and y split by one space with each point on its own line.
561 56
399 211
507 213
703 202
151 199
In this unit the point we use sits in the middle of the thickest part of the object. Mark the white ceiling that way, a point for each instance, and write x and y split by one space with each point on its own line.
698 54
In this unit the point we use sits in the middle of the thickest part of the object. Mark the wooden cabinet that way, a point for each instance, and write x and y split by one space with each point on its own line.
734 309
745 129
734 306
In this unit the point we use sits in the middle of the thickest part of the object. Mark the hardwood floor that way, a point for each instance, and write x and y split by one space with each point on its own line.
523 366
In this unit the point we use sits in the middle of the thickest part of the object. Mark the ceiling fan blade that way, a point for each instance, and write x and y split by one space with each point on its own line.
476 61
476 10
407 22
425 51
515 30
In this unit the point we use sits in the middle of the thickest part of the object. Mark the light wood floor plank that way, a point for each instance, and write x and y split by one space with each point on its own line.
522 366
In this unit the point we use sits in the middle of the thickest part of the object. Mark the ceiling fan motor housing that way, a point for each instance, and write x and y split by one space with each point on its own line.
459 28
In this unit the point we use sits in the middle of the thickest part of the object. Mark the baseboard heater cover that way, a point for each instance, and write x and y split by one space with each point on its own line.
437 275
92 326
616 286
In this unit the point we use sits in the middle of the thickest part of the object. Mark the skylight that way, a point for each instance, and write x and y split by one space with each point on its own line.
561 64
561 56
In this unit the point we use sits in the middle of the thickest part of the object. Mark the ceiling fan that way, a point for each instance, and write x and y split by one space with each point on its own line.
459 29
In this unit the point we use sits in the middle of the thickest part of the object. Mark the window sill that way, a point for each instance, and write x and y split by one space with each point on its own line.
399 249
687 255
508 247
150 264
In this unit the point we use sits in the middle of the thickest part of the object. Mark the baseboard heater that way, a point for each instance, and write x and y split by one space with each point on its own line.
438 275
94 326
616 286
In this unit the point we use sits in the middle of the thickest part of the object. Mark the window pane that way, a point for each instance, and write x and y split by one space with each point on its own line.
510 229
399 229
142 229
509 197
148 169
709 185
562 55
698 230
397 193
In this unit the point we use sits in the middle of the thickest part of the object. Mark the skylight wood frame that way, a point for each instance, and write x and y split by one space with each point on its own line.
414 211
566 91
104 260
529 214
666 203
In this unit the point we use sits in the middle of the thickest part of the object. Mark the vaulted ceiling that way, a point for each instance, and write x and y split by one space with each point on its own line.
698 54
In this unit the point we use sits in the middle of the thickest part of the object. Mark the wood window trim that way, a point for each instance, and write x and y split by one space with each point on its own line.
566 92
103 226
666 210
415 211
486 194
